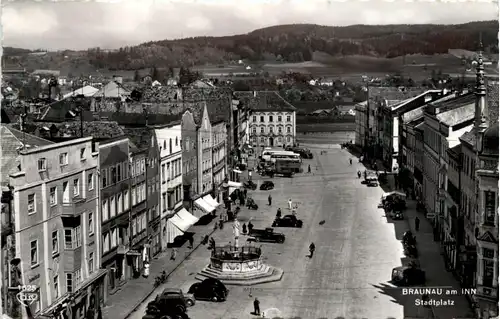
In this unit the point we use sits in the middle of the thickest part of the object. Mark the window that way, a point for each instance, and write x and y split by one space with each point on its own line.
31 204
69 282
112 207
262 130
488 253
119 172
280 130
288 118
90 181
134 227
289 129
55 242
163 180
279 118
91 263
164 201
53 196
63 159
114 237
82 154
76 187
105 213
134 199
119 204
68 238
489 207
56 287
91 223
42 164
262 118
105 243
262 140
78 277
34 252
65 192
270 118
488 272
104 177
254 118
125 200
271 129
113 175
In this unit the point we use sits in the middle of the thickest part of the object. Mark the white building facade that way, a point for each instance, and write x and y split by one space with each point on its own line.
169 142
219 156
205 177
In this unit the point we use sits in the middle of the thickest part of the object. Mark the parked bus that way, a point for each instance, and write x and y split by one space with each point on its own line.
285 155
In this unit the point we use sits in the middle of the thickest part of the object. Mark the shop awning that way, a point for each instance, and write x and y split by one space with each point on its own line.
209 199
172 229
234 184
237 171
187 216
203 205
180 223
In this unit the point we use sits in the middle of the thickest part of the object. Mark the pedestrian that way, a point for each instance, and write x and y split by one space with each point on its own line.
244 228
205 240
174 254
309 169
212 242
256 307
278 213
250 227
99 313
290 204
245 193
216 225
221 224
417 223
191 241
359 174
350 161
312 248
270 200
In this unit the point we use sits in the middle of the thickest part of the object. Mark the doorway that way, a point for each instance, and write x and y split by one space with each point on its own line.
271 141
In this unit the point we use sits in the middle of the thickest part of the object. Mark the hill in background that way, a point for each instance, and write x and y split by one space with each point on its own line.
283 43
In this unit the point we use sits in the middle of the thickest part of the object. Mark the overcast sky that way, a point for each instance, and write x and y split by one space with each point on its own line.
111 24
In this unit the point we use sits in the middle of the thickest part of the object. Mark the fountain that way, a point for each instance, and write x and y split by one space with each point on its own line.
241 266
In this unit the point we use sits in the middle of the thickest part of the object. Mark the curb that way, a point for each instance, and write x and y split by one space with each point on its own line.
138 304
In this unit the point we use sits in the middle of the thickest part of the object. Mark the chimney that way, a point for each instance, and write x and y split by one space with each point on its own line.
118 79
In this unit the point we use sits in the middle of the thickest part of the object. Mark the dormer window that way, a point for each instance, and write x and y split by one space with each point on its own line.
42 164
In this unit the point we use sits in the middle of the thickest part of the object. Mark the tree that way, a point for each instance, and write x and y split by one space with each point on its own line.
241 86
137 77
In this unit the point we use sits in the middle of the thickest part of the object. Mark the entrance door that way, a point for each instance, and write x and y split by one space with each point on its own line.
271 141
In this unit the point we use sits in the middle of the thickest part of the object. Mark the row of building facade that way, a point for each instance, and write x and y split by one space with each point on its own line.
81 215
443 145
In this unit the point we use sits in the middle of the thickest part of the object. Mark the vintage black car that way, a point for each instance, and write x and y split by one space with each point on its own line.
266 186
303 152
267 235
287 221
209 289
250 185
408 276
171 303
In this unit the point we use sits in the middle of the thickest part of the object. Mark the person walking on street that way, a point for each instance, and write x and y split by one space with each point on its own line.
250 227
191 241
309 169
270 200
245 193
174 254
256 307
290 204
244 229
312 248
417 223
221 224
359 174
278 213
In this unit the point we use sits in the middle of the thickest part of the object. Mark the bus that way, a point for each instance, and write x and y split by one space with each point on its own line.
285 155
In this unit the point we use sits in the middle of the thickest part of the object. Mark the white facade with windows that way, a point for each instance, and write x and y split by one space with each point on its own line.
273 128
170 146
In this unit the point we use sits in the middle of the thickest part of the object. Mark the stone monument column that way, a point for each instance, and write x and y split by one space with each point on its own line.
236 232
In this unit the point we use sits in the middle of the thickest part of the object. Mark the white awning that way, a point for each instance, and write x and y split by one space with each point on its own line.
209 199
237 171
187 216
172 230
234 184
206 207
180 223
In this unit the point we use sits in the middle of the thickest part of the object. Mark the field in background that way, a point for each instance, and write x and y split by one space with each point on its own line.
326 127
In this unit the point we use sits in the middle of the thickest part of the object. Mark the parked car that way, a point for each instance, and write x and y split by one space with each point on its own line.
266 186
408 276
268 235
171 302
250 185
209 289
287 221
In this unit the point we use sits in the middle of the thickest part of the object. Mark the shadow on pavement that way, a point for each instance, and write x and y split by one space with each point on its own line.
205 220
179 241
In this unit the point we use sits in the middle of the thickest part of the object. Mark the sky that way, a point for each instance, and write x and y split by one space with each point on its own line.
111 24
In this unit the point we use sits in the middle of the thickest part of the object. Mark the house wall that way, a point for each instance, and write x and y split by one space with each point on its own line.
189 155
205 177
280 131
52 207
219 154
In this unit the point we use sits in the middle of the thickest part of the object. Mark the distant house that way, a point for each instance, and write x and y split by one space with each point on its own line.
62 80
113 90
280 81
46 73
155 83
86 91
323 112
313 82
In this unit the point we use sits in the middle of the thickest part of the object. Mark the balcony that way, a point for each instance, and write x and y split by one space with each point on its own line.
75 208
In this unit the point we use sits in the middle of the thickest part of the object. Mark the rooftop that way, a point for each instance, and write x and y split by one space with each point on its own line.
454 101
69 108
65 130
457 115
413 115
264 101
140 137
13 140
393 93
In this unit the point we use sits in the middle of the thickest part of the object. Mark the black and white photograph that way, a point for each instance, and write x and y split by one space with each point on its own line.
216 159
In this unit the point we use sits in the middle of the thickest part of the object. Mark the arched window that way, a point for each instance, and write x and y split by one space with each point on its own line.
170 145
176 141
165 144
